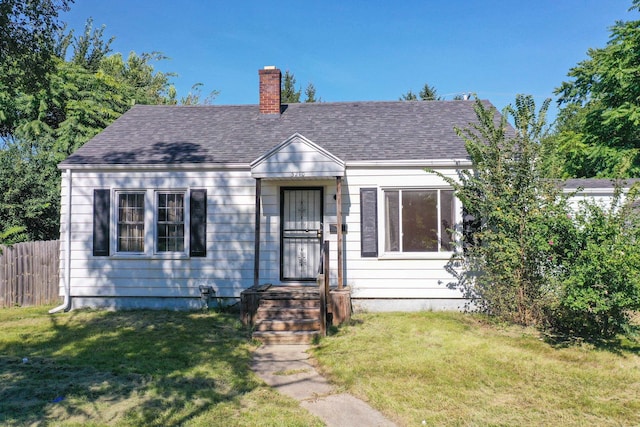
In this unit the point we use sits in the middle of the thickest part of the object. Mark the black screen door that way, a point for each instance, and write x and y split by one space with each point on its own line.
301 233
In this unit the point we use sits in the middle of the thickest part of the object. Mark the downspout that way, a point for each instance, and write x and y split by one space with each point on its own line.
66 305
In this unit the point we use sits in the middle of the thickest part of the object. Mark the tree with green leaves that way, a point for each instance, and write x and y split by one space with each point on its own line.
527 256
89 49
409 96
598 130
596 266
78 98
289 94
427 93
509 199
194 97
27 39
29 191
310 93
6 236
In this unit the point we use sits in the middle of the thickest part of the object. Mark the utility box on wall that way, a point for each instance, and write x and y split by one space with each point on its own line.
333 228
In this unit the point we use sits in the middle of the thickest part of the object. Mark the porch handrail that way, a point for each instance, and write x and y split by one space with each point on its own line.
323 283
321 263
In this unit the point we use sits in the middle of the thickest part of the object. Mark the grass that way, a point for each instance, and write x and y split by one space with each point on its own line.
457 369
152 368
159 368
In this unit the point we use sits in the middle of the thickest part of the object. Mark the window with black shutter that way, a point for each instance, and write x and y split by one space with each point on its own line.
368 222
101 218
198 221
132 224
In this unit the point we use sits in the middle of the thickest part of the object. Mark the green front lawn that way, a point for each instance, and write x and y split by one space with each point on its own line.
457 369
175 368
151 368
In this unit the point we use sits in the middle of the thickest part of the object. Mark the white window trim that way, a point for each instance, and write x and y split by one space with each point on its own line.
187 224
440 255
113 229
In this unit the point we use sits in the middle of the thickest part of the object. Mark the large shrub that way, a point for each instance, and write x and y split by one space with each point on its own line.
600 278
528 256
508 205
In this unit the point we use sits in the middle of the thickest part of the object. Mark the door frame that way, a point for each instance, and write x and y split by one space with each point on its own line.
281 238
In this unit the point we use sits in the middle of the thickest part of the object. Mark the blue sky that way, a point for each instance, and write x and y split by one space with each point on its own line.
361 50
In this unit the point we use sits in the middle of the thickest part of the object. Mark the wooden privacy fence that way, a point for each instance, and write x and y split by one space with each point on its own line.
29 273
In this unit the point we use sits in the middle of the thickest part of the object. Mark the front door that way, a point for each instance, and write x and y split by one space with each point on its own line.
300 233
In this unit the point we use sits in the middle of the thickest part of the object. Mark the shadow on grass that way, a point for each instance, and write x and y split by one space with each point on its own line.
618 345
146 367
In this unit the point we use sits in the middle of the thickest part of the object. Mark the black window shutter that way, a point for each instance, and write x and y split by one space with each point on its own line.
101 214
368 222
198 215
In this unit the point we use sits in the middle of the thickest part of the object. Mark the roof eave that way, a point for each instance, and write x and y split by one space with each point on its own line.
435 163
155 166
426 163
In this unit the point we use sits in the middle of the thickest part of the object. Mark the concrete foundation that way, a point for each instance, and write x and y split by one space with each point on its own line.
152 303
382 305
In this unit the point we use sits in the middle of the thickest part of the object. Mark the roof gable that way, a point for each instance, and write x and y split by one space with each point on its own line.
297 157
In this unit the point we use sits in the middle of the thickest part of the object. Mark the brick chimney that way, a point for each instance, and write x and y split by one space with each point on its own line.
270 78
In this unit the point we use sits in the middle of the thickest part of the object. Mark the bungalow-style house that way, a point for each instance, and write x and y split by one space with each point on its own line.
170 200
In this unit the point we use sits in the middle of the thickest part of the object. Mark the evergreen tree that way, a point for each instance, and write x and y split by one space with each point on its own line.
289 94
427 93
310 93
409 96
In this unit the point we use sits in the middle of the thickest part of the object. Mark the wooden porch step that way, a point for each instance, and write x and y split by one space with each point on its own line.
290 295
286 313
288 325
290 303
286 337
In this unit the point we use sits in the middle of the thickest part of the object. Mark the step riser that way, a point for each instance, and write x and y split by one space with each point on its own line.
289 296
269 325
289 303
287 318
309 314
298 338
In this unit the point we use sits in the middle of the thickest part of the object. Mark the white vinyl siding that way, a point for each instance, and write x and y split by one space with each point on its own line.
399 275
230 223
227 266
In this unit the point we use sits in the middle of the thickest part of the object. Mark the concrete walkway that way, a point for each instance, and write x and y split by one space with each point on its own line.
287 369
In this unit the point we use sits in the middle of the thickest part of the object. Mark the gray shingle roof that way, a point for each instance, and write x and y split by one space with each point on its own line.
353 131
593 183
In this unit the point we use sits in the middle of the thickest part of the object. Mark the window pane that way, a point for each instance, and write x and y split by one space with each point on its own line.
131 222
170 223
392 218
447 219
419 221
162 207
